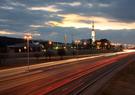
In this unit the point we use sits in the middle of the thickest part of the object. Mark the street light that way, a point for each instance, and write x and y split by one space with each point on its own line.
28 37
50 42
65 40
77 42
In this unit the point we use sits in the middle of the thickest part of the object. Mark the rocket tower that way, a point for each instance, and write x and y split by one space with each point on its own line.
93 34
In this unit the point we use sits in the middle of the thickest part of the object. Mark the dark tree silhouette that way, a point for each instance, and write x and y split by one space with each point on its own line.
61 52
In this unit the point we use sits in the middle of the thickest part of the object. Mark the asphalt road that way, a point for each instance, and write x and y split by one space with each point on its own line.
62 79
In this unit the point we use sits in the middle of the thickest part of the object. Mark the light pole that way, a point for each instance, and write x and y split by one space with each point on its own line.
77 42
65 40
28 37
50 44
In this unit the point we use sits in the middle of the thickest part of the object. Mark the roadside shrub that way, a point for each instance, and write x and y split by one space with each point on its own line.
61 52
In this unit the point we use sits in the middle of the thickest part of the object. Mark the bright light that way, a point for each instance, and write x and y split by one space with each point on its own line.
84 43
25 47
50 42
77 41
129 50
28 36
57 47
44 50
20 50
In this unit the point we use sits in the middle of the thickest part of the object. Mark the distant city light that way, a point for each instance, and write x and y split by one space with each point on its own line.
20 50
77 41
57 48
84 43
25 47
50 42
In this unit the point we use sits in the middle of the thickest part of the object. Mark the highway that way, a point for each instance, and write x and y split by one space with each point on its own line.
67 77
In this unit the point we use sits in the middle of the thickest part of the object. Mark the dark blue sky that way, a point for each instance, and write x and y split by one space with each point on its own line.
52 19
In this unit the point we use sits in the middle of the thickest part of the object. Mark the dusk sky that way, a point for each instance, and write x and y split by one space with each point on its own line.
52 19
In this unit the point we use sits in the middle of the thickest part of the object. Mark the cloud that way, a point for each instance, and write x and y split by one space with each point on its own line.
78 21
70 20
51 8
16 4
6 7
36 26
34 34
120 36
73 4
61 16
103 5
53 34
6 33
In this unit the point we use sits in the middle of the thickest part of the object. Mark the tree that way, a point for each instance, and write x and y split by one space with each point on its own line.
105 43
49 53
61 52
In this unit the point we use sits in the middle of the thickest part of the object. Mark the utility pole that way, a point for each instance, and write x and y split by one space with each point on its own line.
65 40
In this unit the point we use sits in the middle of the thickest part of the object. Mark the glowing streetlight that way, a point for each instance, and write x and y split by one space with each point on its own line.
57 47
85 43
50 42
64 47
65 40
28 37
77 42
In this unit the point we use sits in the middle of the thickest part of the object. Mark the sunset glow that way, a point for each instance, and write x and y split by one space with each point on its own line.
78 21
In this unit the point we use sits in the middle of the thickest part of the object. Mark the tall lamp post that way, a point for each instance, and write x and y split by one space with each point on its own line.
65 40
28 37
77 42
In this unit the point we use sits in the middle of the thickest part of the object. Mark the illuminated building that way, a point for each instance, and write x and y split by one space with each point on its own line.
93 34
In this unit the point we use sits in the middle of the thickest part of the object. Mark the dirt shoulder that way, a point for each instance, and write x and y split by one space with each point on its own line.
123 83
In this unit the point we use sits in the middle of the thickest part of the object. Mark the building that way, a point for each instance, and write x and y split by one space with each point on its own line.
22 47
6 41
103 44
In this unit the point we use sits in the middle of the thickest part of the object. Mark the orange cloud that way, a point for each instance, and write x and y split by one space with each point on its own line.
102 23
6 33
